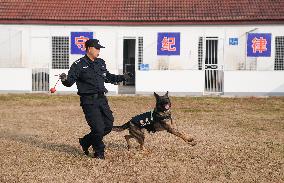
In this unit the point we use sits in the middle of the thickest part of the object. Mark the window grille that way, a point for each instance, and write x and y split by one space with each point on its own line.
40 79
140 51
200 52
279 53
60 52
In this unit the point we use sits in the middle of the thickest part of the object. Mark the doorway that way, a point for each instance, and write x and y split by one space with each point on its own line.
214 75
129 57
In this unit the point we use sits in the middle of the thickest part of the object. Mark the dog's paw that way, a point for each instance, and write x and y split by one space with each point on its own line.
192 143
190 139
146 151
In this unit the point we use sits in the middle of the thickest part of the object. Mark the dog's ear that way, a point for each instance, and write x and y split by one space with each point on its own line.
156 95
167 94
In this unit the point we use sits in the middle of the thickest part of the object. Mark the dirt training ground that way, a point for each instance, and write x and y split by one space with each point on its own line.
239 140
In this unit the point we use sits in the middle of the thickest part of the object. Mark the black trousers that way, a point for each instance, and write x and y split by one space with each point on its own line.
100 119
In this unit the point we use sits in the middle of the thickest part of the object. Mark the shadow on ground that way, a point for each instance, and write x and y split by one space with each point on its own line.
34 141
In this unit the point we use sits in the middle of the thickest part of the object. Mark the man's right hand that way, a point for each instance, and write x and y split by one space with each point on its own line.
63 77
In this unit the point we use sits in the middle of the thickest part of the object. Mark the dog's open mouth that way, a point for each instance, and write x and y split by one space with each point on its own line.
167 106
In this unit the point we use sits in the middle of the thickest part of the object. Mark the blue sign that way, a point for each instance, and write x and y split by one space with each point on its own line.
144 67
78 40
259 45
233 41
168 43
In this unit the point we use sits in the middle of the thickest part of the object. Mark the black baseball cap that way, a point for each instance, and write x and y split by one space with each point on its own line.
93 43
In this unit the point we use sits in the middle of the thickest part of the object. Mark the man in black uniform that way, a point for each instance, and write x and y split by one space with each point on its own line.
90 74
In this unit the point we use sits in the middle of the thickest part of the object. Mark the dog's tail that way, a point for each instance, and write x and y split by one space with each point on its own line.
121 128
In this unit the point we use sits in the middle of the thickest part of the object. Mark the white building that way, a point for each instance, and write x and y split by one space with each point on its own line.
184 47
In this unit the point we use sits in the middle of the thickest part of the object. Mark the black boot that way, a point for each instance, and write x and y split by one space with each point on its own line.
99 155
84 147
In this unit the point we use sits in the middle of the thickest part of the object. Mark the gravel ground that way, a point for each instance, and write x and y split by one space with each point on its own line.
238 140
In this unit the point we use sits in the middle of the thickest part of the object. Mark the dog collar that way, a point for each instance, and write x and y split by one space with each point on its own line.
152 111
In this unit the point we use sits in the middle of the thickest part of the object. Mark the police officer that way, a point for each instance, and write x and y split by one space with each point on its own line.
90 74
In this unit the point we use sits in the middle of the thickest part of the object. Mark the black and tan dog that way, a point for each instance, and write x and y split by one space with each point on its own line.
157 120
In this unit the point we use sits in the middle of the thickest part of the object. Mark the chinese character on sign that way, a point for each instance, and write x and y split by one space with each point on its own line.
168 43
78 40
233 41
259 45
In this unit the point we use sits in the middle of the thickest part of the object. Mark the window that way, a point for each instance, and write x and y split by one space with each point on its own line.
11 53
200 52
279 53
60 52
140 51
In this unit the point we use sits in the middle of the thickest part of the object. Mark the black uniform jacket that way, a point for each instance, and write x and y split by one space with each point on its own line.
90 76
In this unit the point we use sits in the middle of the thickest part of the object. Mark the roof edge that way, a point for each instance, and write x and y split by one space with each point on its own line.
136 23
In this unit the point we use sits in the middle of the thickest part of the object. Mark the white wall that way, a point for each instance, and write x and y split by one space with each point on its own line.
15 79
266 82
112 38
185 81
183 76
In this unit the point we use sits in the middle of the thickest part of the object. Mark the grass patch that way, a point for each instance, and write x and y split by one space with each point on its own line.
238 140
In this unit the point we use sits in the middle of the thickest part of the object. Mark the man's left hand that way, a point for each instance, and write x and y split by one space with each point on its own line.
127 75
